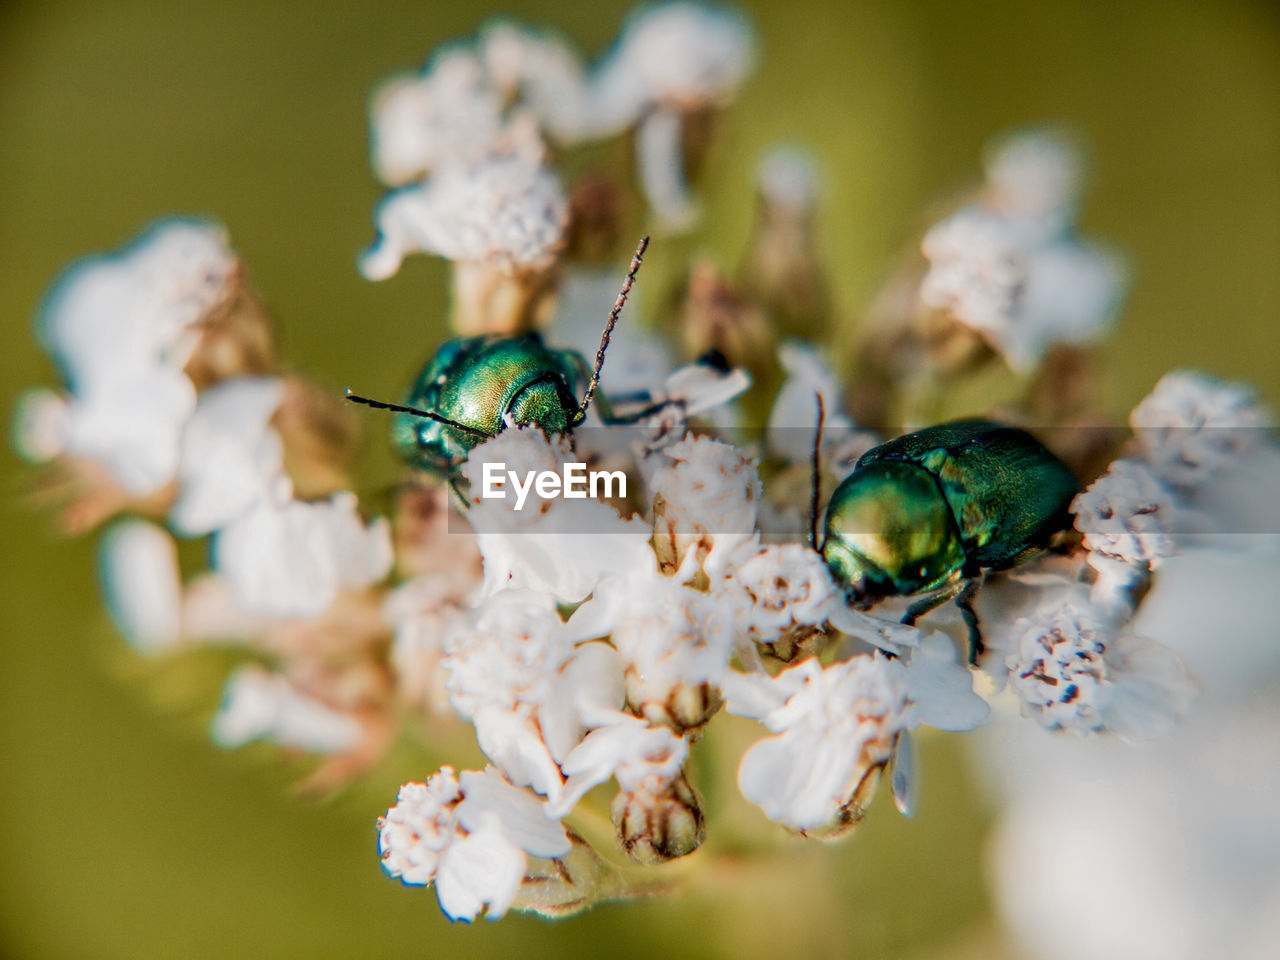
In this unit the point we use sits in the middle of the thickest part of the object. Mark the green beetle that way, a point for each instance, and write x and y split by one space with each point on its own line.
480 384
473 387
930 512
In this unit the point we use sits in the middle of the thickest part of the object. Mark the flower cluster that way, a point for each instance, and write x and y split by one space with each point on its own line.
173 411
1069 652
1187 433
1009 267
596 640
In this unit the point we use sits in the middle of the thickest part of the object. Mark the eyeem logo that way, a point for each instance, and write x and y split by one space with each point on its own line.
573 482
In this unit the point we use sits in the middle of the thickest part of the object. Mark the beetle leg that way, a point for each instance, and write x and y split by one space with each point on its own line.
627 419
962 593
930 602
460 498
964 600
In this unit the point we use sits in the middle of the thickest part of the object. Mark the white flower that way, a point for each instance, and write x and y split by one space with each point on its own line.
673 640
683 54
1127 514
260 705
132 426
558 545
228 455
976 269
1072 293
1192 427
543 73
508 212
289 558
121 327
627 748
706 494
834 726
1023 298
785 586
793 419
1072 670
1177 843
514 673
1033 178
506 653
449 114
472 836
417 830
114 316
670 59
139 563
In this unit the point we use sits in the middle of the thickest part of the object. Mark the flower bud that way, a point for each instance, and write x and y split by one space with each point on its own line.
660 820
713 315
688 706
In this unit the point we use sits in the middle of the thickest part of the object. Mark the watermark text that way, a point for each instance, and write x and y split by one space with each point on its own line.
573 482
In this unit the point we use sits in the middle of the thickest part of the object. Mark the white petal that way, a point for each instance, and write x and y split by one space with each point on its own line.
701 387
660 160
40 422
228 454
904 774
941 689
1219 611
639 360
257 704
796 781
287 558
518 814
567 552
478 870
516 747
629 748
1152 691
139 563
753 695
596 676
794 417
132 427
889 635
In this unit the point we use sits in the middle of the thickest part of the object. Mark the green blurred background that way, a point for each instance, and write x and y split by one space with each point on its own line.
123 832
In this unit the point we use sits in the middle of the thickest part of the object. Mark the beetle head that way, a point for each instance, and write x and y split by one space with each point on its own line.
890 532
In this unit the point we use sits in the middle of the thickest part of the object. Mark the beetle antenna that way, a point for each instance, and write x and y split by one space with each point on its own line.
815 477
414 411
636 259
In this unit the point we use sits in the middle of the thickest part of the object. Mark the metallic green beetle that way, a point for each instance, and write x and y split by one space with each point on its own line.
476 386
930 512
481 383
